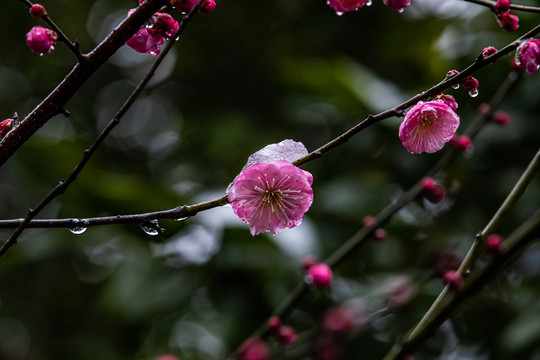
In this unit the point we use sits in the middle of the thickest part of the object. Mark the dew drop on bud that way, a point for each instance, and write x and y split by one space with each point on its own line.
78 227
455 86
369 2
401 10
473 93
151 227
339 13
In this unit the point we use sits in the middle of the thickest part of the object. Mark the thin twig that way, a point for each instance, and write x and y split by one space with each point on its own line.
491 6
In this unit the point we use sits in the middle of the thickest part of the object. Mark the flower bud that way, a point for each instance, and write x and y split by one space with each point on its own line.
448 100
319 276
37 11
41 40
461 143
255 349
337 319
165 25
398 5
483 109
369 220
502 6
286 335
501 118
454 279
470 83
508 21
494 244
380 234
528 55
487 52
274 323
451 74
167 357
207 6
432 191
5 127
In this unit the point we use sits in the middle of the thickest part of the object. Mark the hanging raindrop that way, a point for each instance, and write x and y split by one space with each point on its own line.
369 2
78 227
181 219
473 93
151 227
401 10
455 86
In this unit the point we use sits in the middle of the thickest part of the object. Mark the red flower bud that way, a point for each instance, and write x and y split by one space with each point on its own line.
454 279
37 10
319 276
432 191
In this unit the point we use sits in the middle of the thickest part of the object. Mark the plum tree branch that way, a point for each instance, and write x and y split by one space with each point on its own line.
54 103
64 184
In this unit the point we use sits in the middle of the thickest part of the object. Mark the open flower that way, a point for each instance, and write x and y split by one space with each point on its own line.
428 126
144 41
271 196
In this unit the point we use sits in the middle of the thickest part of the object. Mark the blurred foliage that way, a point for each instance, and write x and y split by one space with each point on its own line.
246 75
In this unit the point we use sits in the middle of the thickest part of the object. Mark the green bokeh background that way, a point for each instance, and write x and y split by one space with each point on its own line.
247 75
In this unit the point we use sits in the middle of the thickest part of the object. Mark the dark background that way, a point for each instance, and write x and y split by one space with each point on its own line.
249 74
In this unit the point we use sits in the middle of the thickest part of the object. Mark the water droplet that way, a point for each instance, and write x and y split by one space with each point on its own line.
78 227
41 54
401 10
151 227
369 2
455 86
339 13
181 219
473 93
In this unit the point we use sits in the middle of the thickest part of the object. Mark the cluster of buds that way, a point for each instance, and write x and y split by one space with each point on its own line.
150 38
469 83
162 26
507 21
318 275
283 334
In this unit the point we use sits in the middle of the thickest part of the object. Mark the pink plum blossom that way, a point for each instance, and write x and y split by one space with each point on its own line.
528 55
428 126
5 127
145 42
343 6
271 196
41 40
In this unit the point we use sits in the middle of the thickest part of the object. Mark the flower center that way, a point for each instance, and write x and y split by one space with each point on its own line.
427 118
